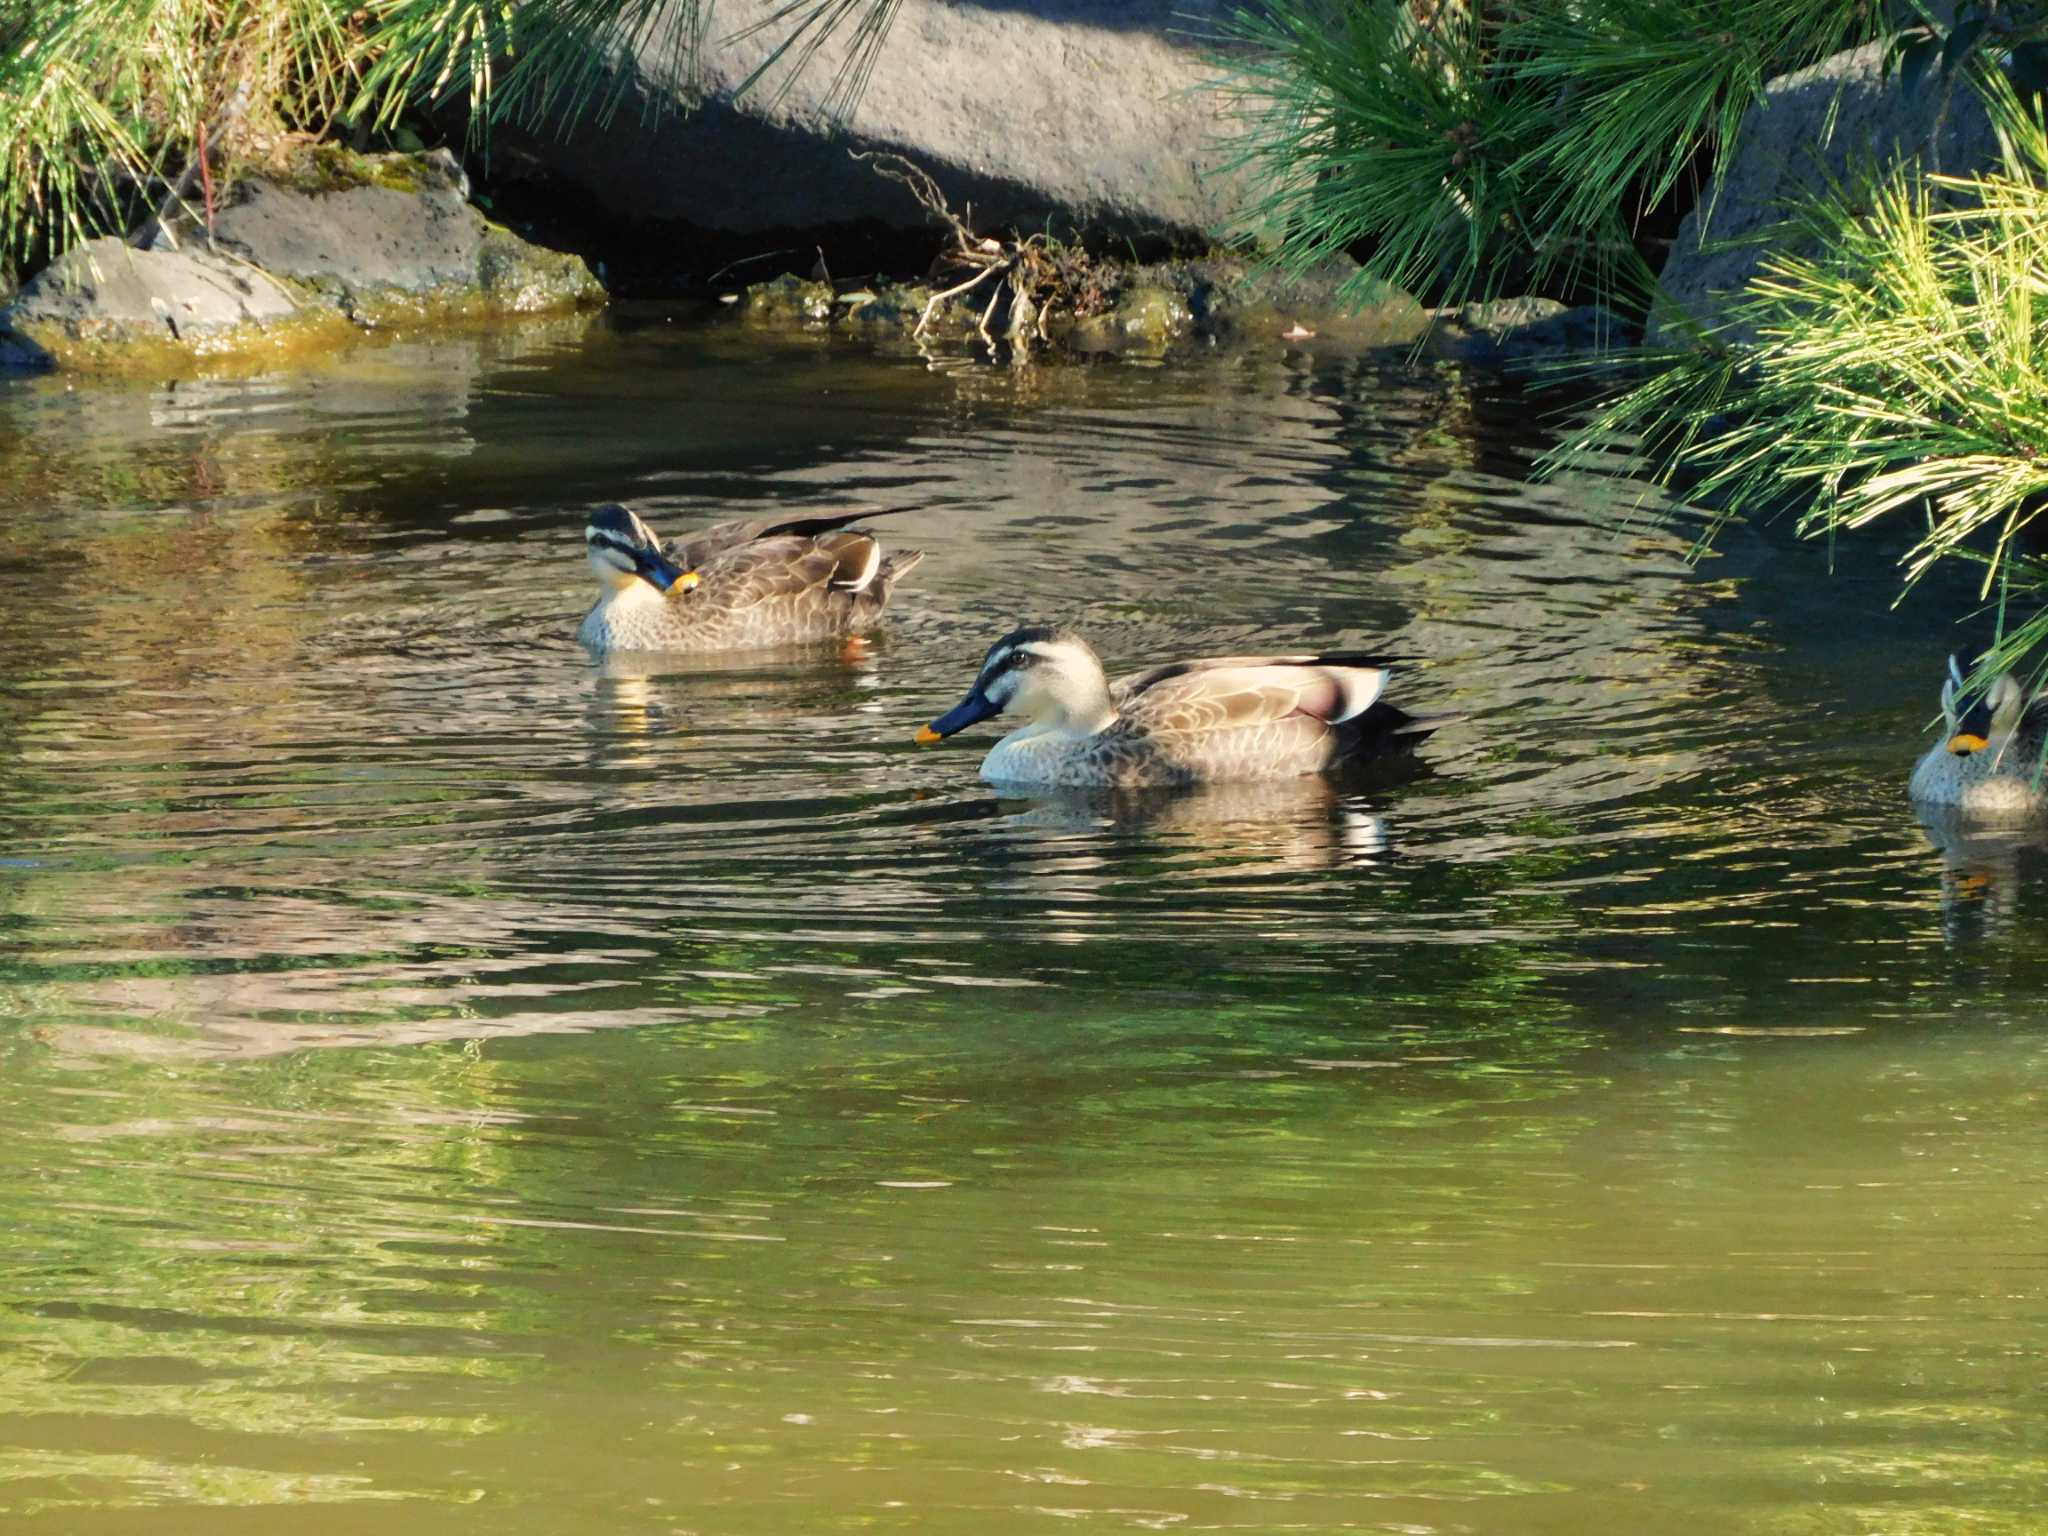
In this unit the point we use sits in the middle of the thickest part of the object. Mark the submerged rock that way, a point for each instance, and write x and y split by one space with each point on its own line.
1103 306
1151 312
334 244
790 299
1498 331
1334 301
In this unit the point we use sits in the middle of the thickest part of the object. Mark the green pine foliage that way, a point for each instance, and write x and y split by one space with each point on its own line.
1466 146
1899 372
101 99
103 103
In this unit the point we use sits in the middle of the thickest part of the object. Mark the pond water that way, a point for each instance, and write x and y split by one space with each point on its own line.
448 1085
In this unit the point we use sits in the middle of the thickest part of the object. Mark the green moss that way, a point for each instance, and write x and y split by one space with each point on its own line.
125 351
516 275
318 170
789 300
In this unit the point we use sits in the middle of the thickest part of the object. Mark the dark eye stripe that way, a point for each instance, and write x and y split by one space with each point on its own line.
1015 659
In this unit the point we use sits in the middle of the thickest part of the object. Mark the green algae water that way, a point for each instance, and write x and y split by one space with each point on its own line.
449 1086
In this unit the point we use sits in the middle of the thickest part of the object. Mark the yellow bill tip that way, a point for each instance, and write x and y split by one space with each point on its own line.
926 736
687 580
1963 743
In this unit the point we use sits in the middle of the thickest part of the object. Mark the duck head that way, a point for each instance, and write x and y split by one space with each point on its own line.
1051 678
1983 724
623 550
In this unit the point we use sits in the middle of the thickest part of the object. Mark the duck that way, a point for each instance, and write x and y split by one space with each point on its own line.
770 581
1988 762
1218 719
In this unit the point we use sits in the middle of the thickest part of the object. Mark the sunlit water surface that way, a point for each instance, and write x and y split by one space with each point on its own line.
448 1086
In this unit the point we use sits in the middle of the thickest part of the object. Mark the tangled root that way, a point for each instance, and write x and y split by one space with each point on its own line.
1042 280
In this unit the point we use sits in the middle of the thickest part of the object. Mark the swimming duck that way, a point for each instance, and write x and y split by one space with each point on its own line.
1214 720
1988 761
772 581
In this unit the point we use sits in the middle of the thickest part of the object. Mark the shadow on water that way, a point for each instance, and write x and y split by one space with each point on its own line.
450 1080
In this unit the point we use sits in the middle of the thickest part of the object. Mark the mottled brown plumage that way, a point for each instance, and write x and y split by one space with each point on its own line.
1215 720
766 581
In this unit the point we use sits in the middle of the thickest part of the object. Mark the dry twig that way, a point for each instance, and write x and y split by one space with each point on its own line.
1040 279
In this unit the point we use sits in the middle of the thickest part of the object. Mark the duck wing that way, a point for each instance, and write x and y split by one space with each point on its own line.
693 550
1237 717
791 565
1227 692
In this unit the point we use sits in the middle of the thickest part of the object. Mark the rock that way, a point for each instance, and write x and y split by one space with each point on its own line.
1498 331
1785 152
1078 115
1110 307
789 299
106 295
359 239
1151 312
1333 301
368 228
884 307
1498 317
515 276
334 243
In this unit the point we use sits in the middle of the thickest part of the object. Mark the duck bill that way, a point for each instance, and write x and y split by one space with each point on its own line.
970 709
1973 731
666 575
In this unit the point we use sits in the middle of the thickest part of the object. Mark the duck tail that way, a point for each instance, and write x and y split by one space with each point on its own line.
899 563
1386 728
1415 727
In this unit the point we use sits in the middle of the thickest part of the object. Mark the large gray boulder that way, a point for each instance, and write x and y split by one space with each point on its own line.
304 256
106 295
368 229
1078 114
401 222
1830 124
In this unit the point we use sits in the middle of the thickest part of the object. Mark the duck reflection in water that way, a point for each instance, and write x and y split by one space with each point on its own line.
1985 868
644 694
1220 833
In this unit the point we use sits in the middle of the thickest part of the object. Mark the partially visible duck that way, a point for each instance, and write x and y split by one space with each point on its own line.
1989 760
771 581
1215 720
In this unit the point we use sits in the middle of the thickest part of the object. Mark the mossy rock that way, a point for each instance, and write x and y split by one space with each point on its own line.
1152 312
517 276
317 169
789 300
1502 331
353 243
883 307
1499 316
